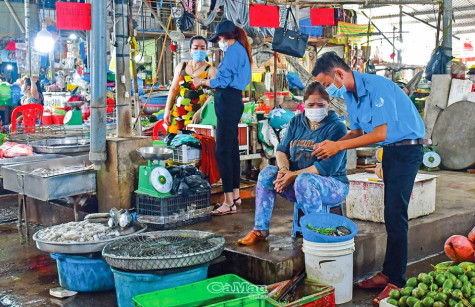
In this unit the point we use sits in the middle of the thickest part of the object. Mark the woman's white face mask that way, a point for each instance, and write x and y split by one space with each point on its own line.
316 108
316 115
223 45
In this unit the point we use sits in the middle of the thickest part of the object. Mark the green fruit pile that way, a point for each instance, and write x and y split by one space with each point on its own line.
448 284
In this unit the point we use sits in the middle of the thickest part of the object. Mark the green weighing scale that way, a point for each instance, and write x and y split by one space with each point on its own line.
154 179
431 160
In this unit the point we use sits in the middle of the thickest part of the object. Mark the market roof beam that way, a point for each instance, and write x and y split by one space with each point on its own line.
154 14
463 25
426 23
363 2
426 12
15 16
466 31
391 43
433 19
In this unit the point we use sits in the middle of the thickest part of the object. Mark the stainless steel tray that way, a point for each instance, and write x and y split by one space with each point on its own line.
27 159
85 247
61 145
155 152
19 179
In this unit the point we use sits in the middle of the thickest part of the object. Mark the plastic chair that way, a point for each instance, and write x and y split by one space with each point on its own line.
296 222
30 114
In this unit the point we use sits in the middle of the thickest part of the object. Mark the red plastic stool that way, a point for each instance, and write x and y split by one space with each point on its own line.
30 114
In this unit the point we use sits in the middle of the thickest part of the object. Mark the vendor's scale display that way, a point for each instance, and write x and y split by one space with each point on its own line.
154 179
431 159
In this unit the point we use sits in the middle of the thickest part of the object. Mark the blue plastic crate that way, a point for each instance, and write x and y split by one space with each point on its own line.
130 284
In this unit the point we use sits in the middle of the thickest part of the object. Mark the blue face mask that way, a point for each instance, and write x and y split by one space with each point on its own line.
199 55
334 91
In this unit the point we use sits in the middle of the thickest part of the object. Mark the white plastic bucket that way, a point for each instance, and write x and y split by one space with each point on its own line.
332 264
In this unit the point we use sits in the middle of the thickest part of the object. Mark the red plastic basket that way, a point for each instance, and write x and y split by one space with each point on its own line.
315 295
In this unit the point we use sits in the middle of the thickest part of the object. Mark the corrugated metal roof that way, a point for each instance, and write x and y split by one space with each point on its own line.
463 10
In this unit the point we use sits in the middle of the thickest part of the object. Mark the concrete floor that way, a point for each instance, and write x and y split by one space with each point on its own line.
26 274
280 257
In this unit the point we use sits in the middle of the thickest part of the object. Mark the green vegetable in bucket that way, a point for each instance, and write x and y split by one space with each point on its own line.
322 230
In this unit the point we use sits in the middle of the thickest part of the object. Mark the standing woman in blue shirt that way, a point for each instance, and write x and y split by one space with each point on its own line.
233 76
379 112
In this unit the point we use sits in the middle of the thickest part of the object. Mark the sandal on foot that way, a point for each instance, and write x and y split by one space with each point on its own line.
217 205
378 281
385 293
235 200
218 212
251 238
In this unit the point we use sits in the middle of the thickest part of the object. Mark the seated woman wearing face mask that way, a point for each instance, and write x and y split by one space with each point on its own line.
186 108
299 176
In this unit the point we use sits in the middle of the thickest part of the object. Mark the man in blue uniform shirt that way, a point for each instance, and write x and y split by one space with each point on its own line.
379 112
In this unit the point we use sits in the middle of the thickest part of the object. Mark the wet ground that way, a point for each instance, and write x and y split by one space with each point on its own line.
27 274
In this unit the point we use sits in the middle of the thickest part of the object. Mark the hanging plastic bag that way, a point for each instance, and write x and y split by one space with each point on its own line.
248 112
294 80
208 114
280 118
369 68
268 138
186 22
437 64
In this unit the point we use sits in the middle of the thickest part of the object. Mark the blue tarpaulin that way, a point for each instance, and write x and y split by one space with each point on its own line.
307 28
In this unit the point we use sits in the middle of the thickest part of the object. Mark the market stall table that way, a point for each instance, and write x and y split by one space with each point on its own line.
49 180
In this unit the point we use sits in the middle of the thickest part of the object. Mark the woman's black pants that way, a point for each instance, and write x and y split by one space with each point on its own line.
229 108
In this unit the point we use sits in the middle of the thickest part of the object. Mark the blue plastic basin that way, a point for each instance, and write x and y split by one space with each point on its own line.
129 284
82 274
326 220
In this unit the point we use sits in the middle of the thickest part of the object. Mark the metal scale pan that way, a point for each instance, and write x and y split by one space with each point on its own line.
155 153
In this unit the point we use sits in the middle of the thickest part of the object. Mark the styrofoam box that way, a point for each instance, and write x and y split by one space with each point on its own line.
186 154
56 98
210 130
365 200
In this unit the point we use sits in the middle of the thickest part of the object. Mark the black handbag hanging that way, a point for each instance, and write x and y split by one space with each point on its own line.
290 42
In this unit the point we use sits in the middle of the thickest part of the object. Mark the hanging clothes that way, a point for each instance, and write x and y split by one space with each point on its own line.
268 81
209 165
256 77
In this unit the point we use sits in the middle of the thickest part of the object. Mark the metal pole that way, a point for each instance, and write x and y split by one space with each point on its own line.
15 16
399 51
164 69
27 33
275 80
98 154
447 31
385 37
394 54
122 76
51 63
134 72
88 46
